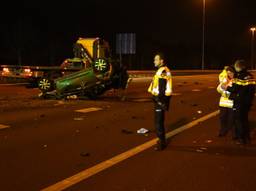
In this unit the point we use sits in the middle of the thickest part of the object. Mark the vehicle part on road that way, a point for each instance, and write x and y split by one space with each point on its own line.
142 131
125 131
84 154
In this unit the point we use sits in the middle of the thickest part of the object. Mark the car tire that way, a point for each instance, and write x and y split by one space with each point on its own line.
45 85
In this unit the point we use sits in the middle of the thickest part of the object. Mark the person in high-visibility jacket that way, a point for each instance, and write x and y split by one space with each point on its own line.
161 90
226 105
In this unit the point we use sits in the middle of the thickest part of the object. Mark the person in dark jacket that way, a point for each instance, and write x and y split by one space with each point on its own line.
242 93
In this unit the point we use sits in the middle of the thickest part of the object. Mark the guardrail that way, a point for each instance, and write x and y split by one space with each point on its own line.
149 73
132 74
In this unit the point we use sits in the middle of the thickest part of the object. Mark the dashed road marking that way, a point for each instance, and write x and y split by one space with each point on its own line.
68 182
196 90
4 126
87 110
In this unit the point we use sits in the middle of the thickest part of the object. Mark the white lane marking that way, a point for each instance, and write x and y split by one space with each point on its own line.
4 126
87 110
196 90
83 175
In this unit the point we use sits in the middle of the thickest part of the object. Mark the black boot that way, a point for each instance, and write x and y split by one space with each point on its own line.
161 145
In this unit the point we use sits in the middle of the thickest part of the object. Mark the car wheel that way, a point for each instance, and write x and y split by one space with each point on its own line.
101 65
45 85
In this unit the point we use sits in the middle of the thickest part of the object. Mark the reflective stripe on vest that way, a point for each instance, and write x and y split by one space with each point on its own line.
223 92
225 102
244 82
154 86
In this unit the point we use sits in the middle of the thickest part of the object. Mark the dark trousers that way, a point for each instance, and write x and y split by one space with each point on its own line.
159 124
227 121
242 124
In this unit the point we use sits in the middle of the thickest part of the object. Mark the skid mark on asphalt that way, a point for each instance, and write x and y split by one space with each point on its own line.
87 110
68 182
4 126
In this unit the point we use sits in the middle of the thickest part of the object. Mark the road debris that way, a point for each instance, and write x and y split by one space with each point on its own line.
142 131
199 111
196 90
209 141
125 131
84 154
78 118
59 103
199 151
134 117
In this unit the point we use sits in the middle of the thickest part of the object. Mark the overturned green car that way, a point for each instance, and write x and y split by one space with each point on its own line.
99 73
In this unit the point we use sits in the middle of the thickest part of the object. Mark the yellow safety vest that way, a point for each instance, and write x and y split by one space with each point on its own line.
223 76
224 99
225 102
154 86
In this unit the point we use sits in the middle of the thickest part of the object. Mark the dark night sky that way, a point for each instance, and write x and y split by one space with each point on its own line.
44 31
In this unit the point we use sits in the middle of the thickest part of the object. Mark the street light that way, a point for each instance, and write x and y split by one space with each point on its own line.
252 46
203 35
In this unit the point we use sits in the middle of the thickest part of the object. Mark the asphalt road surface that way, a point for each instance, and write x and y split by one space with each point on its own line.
43 142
